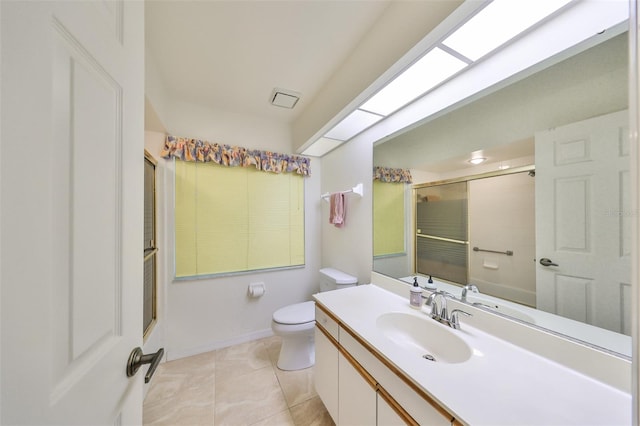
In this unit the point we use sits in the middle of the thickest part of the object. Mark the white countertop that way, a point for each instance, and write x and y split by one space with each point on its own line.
501 384
607 339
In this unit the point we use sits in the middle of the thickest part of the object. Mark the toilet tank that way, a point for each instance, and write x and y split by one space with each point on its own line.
332 279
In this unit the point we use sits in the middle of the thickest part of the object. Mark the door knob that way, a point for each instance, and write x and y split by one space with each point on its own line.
547 262
137 359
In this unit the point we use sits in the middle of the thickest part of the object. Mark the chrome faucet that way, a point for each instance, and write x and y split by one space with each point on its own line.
454 321
468 287
438 314
442 315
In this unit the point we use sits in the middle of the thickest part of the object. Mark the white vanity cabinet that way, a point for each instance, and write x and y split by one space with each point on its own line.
357 397
358 388
326 366
386 414
349 397
383 340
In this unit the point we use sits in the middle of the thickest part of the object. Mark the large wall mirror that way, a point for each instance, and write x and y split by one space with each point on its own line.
547 212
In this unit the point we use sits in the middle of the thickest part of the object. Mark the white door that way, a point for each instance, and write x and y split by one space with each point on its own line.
583 221
71 182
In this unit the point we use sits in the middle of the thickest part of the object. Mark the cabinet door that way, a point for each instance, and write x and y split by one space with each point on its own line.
357 403
424 412
326 373
386 415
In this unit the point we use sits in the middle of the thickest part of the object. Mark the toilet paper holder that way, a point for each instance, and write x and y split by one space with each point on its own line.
256 289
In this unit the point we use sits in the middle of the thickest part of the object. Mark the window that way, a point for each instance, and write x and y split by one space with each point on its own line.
236 219
388 218
150 248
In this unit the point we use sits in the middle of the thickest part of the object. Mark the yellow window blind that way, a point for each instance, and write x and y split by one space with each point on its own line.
234 219
388 218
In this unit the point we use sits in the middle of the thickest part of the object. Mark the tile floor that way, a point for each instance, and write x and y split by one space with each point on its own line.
238 385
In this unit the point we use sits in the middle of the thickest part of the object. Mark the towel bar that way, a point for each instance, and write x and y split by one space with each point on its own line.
358 189
508 252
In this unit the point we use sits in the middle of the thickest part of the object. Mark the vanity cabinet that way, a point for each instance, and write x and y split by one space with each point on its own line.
357 397
358 387
386 415
326 373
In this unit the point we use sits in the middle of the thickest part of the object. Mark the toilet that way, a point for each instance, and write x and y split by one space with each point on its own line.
295 323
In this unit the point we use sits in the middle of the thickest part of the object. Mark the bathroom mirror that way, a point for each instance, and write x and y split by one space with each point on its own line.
510 128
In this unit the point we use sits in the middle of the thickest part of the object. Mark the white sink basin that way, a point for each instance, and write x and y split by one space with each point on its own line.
424 337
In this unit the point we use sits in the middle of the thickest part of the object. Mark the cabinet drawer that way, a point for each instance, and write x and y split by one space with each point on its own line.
326 322
420 407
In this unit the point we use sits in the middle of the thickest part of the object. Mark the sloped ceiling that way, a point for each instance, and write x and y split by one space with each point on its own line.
231 54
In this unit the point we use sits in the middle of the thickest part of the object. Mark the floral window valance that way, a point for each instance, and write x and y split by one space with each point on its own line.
197 150
389 175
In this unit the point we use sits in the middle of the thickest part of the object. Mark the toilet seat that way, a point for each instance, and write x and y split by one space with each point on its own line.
298 313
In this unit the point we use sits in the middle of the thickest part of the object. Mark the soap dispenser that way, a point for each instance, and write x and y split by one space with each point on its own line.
430 284
415 295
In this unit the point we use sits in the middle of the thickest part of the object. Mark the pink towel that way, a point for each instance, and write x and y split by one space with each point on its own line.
337 210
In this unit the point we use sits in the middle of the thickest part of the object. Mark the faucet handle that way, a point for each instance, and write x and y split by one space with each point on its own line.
455 321
439 313
429 298
431 302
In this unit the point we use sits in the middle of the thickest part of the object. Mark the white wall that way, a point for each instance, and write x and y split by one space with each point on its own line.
502 217
350 248
206 314
154 90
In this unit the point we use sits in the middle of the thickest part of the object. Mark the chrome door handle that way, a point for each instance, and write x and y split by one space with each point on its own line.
547 262
137 359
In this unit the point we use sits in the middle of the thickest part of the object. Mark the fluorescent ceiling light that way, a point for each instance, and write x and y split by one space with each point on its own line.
352 124
498 23
550 40
548 44
321 147
431 70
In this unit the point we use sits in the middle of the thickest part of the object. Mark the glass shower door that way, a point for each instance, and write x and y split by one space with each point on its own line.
442 231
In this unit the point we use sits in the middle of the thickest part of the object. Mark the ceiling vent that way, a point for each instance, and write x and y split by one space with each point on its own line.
284 98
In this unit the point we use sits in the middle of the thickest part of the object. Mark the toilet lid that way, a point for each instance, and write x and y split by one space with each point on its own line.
298 313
